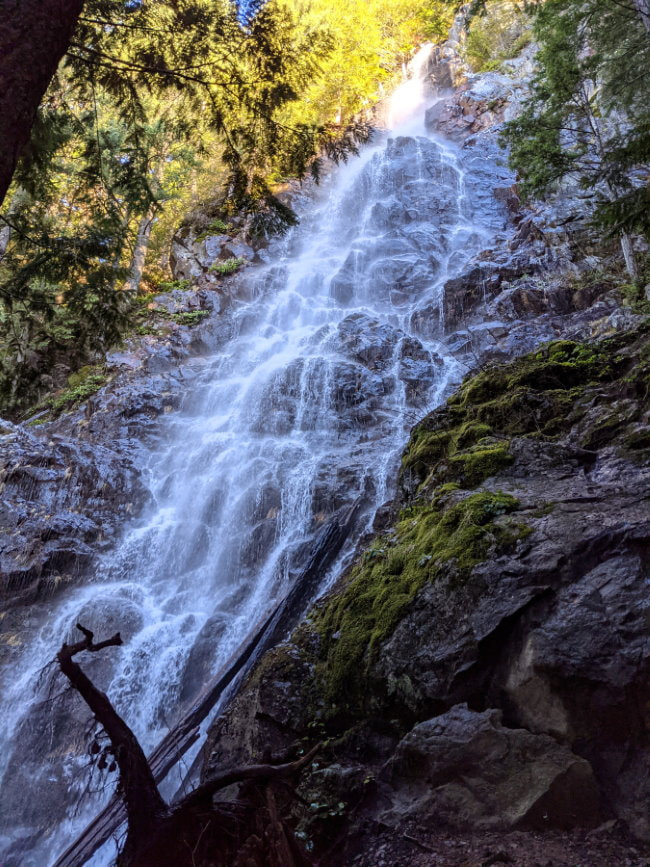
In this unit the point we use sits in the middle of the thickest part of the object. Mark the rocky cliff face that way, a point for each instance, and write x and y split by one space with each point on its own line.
70 480
484 665
479 677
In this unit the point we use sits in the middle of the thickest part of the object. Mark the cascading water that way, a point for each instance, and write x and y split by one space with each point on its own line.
307 405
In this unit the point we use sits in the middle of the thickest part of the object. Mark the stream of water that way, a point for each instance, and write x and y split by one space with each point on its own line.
307 406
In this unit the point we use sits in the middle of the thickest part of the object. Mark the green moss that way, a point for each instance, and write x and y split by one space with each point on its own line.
216 227
563 388
170 286
537 395
478 464
558 366
430 538
470 433
81 385
462 452
191 318
229 266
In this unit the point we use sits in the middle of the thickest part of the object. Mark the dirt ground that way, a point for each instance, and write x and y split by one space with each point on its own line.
607 846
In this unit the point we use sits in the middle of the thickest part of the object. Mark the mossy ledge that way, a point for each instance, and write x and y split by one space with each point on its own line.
443 539
543 395
563 389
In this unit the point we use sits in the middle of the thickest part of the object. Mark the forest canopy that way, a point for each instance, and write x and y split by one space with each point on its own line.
155 107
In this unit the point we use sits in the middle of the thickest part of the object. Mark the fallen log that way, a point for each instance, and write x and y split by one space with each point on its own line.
266 634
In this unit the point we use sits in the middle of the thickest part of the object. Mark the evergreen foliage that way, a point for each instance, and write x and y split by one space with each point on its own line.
147 93
155 107
589 115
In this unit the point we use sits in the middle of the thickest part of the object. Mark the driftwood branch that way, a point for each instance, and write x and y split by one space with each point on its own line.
88 643
152 826
266 634
267 773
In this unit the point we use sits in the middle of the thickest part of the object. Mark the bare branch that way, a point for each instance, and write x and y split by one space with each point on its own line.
252 772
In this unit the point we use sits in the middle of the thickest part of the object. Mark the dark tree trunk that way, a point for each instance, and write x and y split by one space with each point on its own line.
34 36
145 808
161 835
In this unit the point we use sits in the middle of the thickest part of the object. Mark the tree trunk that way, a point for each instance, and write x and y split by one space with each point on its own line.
145 807
628 255
160 835
139 254
34 36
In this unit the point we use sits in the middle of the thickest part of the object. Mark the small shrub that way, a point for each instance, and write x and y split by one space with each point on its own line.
81 385
216 227
191 318
229 266
173 285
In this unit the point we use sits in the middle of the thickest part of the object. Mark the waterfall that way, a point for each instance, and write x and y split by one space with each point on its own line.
332 356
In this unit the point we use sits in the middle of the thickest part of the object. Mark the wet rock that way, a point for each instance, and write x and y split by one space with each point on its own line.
186 301
61 501
464 769
464 294
237 249
598 667
192 255
510 696
183 258
198 667
367 341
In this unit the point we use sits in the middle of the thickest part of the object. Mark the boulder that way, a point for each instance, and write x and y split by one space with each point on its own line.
464 769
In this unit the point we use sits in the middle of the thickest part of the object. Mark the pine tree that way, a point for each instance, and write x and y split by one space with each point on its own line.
140 90
589 115
145 94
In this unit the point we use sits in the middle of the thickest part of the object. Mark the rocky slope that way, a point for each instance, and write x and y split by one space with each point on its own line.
71 477
484 665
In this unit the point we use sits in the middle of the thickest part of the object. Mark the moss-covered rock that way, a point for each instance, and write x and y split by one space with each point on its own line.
430 538
81 385
544 395
525 597
444 533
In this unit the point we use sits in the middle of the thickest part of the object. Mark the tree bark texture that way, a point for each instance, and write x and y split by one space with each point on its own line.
139 254
34 36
